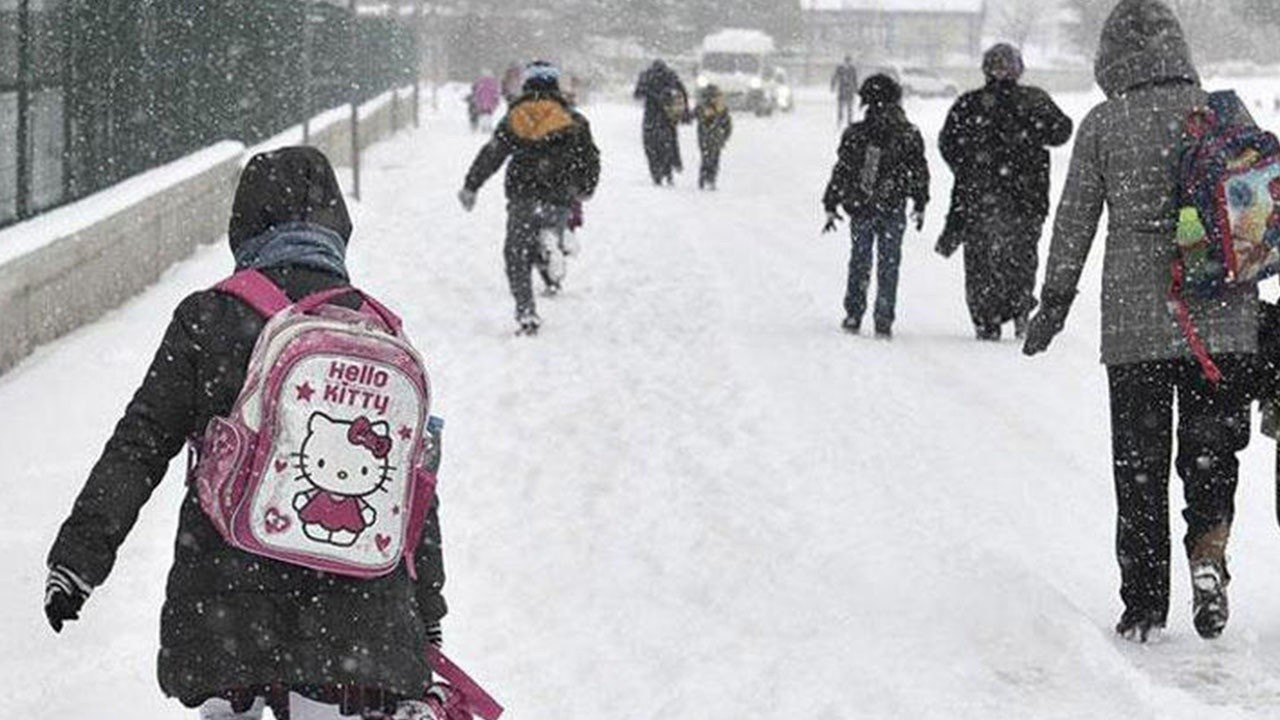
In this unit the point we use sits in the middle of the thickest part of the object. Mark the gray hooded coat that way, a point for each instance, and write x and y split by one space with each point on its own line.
1125 158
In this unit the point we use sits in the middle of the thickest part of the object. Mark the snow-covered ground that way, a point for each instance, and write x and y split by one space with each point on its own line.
692 496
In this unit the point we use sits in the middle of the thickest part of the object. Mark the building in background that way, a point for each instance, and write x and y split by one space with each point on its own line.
921 31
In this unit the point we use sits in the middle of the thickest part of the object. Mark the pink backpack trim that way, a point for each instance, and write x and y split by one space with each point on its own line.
257 291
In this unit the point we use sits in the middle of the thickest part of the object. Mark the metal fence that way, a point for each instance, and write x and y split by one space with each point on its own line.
93 91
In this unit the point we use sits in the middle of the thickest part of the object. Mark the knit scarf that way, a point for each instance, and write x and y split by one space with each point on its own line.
298 244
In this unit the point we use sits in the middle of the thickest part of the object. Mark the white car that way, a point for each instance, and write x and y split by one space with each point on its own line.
924 82
918 81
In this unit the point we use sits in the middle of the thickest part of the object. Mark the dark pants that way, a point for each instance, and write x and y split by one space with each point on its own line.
883 234
662 149
844 109
1000 260
526 221
1213 425
710 169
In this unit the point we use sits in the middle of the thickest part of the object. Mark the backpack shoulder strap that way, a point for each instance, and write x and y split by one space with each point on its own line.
255 290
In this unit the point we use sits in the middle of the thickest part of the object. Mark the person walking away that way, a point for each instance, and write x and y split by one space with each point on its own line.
1125 158
666 105
482 103
512 79
554 161
715 125
844 83
879 166
240 630
995 141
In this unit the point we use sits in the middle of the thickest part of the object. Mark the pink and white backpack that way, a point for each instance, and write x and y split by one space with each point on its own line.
322 460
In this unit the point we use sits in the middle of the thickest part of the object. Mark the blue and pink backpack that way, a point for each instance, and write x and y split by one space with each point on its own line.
1229 217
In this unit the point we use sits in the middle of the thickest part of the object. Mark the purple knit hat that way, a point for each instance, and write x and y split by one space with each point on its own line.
1002 62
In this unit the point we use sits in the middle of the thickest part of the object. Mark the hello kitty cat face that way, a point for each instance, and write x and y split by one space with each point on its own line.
342 457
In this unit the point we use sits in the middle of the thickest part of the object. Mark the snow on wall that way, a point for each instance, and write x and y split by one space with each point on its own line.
900 6
66 267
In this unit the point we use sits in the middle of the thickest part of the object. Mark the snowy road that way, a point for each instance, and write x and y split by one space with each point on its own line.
692 496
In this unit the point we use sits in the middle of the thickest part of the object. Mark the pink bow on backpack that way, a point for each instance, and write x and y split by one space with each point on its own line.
363 434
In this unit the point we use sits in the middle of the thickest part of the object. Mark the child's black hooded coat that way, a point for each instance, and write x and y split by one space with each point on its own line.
231 619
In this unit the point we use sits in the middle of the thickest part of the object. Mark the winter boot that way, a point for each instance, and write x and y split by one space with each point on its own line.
884 331
851 325
1209 579
988 333
1141 626
529 323
551 256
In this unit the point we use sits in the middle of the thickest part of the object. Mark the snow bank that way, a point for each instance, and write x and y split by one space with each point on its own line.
66 267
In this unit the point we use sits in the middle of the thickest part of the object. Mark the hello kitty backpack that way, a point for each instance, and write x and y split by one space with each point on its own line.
322 460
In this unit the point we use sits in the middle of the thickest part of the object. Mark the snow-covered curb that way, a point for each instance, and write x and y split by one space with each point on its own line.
68 266
65 268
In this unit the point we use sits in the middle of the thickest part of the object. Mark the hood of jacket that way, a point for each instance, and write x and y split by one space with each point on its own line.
283 187
1142 44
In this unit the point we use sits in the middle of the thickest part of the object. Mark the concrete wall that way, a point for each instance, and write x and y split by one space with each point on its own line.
66 268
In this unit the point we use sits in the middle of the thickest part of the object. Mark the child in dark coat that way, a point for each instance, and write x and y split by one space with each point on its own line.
239 631
715 125
880 165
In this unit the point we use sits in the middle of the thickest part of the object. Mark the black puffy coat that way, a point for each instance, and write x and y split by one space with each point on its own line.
553 156
994 140
901 171
232 620
666 101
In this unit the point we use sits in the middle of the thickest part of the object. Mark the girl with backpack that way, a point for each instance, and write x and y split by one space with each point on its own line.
1126 159
241 631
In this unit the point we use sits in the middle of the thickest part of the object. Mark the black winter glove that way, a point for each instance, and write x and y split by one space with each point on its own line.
833 217
1047 322
64 595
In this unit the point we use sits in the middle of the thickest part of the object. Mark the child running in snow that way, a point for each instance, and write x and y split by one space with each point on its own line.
714 128
554 162
240 631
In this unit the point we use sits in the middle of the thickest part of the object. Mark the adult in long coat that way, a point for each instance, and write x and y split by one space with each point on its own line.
995 141
1125 159
666 105
235 625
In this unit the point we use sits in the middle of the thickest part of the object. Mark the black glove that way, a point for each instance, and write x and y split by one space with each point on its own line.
1048 322
64 595
833 217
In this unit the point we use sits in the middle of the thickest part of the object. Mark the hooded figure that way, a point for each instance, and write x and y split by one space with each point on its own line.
1125 159
879 166
995 139
554 163
666 105
237 626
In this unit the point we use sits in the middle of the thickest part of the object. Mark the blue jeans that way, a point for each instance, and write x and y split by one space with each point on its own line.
883 232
